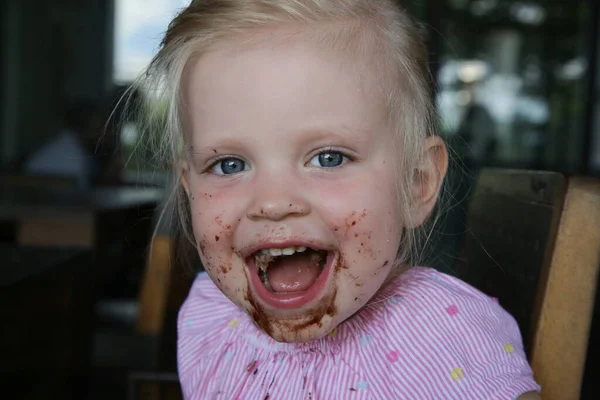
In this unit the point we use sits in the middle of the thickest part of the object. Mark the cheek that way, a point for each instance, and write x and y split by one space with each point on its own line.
212 232
365 212
368 253
372 188
369 241
215 214
369 234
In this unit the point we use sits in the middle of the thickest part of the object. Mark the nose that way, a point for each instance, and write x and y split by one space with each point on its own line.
277 199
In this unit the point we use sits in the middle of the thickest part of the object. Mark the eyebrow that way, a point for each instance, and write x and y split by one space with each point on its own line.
213 148
341 133
317 132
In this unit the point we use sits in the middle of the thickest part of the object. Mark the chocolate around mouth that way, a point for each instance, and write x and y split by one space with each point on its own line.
293 328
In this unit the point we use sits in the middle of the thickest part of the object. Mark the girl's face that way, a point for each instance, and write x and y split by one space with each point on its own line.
289 150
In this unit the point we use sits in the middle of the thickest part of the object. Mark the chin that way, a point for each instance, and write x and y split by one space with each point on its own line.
300 332
294 326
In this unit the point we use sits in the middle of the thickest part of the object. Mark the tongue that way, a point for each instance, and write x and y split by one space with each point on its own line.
293 273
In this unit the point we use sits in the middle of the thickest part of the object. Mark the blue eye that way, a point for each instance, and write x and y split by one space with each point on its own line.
228 166
328 159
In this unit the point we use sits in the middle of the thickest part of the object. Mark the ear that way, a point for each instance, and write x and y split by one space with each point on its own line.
428 178
184 170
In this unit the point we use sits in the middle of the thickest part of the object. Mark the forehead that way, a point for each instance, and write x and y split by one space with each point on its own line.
275 83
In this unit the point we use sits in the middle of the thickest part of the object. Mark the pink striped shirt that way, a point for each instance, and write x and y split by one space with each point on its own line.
426 336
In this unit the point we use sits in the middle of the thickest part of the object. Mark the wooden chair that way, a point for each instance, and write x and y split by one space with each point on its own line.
154 290
154 386
533 241
166 282
168 276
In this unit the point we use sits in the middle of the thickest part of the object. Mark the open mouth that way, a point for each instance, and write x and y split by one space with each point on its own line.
290 277
291 269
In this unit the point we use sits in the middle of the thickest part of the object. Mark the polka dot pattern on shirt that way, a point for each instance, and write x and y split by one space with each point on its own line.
424 338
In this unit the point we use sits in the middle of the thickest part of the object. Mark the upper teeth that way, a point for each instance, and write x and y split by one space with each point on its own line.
288 251
265 256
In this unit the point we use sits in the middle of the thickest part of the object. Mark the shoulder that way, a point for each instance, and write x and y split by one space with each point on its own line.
204 308
459 333
443 298
435 301
204 316
439 305
426 279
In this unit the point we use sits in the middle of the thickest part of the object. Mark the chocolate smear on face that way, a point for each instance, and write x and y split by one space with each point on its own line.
202 247
329 308
326 307
257 313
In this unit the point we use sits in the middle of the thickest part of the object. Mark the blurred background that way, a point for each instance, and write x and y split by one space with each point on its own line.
516 84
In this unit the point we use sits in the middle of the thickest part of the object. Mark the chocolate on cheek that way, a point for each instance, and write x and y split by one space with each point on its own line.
213 237
354 218
359 241
214 247
362 250
365 246
202 247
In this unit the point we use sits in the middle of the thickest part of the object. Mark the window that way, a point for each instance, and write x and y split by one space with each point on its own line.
512 81
139 28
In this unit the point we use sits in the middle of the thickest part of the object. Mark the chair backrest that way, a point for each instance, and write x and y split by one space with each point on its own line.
533 241
168 276
154 386
154 288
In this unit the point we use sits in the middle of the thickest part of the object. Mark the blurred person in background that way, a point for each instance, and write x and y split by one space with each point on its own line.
84 150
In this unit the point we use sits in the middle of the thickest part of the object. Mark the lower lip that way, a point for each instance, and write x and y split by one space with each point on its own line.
293 299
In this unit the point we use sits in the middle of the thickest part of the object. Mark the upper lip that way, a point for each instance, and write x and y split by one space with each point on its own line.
314 244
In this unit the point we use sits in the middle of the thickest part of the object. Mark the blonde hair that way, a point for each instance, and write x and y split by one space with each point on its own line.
378 27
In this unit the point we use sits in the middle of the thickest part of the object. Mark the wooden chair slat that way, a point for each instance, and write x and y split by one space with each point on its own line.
533 241
560 341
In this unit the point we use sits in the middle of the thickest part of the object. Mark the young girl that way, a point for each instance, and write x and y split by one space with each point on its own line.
302 135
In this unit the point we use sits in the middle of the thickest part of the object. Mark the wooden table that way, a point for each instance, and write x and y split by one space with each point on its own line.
46 314
114 222
70 217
